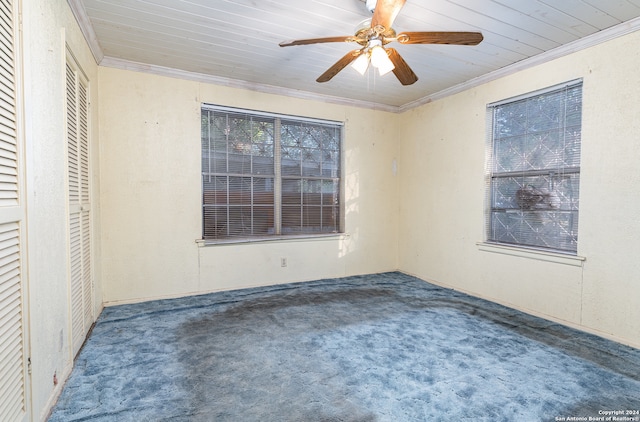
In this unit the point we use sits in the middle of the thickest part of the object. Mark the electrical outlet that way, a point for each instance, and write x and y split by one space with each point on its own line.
283 262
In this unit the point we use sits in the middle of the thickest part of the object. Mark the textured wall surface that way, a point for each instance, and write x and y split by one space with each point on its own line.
151 193
444 149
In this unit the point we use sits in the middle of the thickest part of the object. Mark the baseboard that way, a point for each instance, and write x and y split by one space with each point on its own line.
532 312
55 394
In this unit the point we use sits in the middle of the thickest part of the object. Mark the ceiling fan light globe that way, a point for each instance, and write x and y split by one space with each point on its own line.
381 61
361 64
371 5
386 68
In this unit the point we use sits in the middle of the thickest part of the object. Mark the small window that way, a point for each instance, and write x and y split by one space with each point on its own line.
534 169
266 175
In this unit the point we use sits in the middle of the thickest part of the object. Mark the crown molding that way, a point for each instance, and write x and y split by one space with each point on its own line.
235 83
600 37
79 12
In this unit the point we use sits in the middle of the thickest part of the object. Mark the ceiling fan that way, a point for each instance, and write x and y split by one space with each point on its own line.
374 34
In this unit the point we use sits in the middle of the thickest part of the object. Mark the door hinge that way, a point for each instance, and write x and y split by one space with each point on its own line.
29 365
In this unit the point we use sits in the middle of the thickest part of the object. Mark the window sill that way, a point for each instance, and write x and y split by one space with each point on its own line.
558 258
269 239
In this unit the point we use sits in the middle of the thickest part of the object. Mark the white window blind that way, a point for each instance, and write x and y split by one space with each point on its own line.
268 175
13 379
534 169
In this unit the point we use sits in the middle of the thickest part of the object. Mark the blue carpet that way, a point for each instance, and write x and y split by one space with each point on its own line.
384 347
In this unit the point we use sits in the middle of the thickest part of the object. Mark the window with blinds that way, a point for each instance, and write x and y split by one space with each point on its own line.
534 169
267 175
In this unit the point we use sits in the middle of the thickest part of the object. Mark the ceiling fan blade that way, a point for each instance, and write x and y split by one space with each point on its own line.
339 65
317 41
402 70
386 12
459 38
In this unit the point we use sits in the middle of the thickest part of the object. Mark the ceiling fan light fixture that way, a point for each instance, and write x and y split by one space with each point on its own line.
373 34
361 64
380 60
371 5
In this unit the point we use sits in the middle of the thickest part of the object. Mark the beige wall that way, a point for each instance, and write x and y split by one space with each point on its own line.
47 26
442 204
151 206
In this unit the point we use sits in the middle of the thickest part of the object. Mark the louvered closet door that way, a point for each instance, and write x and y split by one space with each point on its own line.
13 374
81 280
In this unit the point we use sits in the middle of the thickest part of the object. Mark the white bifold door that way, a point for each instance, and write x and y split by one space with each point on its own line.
13 339
81 279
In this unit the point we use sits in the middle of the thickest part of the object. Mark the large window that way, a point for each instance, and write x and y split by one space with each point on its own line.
268 175
534 169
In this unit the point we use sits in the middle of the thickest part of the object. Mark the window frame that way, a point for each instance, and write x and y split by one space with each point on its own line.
278 179
568 170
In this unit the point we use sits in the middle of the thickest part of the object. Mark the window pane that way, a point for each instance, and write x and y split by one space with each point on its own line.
250 145
310 149
214 190
291 192
237 206
545 112
214 222
291 161
236 143
330 219
330 192
312 192
239 223
510 120
556 230
543 192
310 206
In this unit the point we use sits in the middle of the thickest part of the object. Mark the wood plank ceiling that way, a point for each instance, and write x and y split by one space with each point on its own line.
235 42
